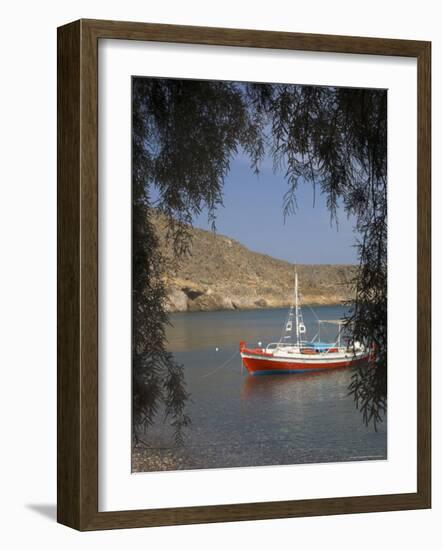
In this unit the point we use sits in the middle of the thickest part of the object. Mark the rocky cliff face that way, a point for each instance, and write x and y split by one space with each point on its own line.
220 273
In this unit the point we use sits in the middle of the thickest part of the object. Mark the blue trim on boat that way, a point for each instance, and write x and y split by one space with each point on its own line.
319 345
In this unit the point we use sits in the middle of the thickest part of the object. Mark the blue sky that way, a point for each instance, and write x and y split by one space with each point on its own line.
252 215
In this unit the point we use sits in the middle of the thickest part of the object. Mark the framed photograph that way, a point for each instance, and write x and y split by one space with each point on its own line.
243 275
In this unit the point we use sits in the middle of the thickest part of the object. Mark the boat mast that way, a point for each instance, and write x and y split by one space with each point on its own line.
296 308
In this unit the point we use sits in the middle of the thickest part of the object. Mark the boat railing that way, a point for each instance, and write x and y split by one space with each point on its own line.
276 345
323 350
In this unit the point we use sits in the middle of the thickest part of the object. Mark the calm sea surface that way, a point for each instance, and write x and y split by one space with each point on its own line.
240 420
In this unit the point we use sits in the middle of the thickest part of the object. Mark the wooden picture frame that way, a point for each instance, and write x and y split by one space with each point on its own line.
78 274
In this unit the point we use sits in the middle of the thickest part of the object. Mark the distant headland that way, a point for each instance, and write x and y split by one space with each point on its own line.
220 273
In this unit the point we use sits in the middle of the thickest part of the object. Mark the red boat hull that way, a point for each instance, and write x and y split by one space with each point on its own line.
260 362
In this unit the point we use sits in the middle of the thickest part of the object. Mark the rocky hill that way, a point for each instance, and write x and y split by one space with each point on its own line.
221 273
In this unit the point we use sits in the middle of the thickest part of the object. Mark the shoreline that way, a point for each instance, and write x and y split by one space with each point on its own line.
257 308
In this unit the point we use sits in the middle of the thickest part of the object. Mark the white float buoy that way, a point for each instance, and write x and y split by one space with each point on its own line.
216 349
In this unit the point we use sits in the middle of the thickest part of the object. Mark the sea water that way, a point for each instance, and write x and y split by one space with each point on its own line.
241 420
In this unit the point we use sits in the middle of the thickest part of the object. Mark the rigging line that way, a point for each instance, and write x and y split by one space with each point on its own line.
313 311
284 328
221 366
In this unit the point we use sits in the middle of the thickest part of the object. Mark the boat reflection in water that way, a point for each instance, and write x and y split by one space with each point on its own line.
298 388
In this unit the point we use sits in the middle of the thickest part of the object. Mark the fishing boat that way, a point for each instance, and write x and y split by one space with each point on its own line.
295 354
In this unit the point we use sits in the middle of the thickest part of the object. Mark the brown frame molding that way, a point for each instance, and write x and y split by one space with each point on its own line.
77 409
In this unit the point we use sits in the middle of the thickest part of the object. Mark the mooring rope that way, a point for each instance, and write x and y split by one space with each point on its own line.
221 366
